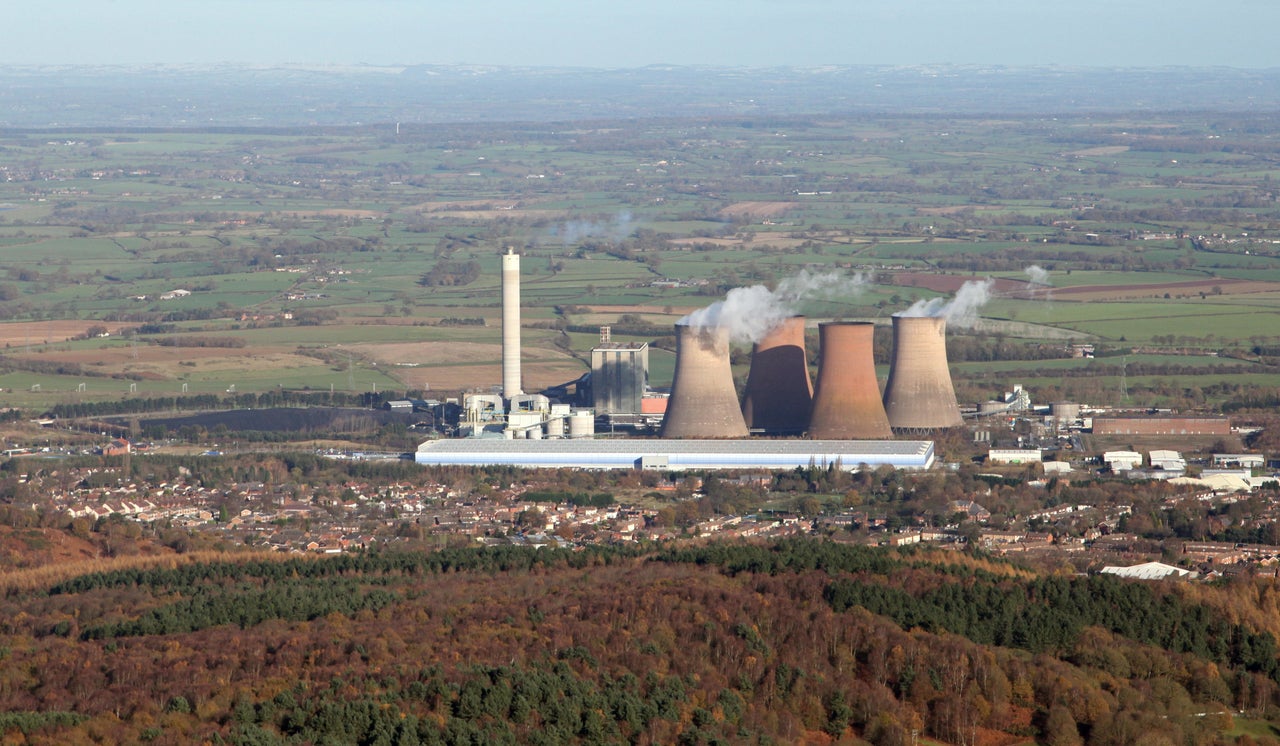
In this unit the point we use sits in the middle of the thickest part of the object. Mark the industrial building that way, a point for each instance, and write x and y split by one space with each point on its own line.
676 455
1161 425
704 424
1014 456
619 377
1239 460
1119 461
1166 460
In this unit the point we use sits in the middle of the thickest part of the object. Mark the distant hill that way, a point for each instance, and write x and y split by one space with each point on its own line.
300 96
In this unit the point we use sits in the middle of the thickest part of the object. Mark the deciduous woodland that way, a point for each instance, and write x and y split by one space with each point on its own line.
793 642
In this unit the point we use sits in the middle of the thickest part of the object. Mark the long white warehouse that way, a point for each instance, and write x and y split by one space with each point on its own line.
676 455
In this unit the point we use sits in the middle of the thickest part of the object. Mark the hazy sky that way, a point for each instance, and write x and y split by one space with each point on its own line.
618 33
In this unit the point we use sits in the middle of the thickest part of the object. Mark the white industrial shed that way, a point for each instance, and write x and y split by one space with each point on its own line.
1149 571
676 455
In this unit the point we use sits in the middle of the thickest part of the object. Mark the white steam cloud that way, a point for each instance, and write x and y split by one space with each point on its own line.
751 313
961 310
574 231
1038 275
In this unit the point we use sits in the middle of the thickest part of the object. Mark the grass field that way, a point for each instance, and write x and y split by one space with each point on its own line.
355 222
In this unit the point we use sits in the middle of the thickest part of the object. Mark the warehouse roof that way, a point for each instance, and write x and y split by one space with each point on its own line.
660 454
1149 571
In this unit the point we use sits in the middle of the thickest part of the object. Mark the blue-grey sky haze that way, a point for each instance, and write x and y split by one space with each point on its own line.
610 34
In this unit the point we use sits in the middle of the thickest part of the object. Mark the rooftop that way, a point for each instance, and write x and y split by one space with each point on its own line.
678 454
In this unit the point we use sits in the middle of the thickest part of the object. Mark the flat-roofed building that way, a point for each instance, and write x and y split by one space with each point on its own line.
677 455
1165 425
1167 461
619 376
1014 456
1122 460
1240 460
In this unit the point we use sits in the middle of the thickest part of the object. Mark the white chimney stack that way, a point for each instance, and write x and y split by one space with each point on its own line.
511 324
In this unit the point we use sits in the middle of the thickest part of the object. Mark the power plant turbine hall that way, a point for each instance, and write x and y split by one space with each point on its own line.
919 396
779 394
847 405
703 402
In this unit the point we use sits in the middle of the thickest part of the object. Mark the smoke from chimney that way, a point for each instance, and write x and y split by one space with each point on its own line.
752 312
574 231
1038 275
961 310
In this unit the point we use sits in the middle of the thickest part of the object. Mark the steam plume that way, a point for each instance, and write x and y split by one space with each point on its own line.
1038 275
961 310
751 313
573 231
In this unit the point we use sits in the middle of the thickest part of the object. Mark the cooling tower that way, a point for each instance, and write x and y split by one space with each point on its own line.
511 324
779 395
847 405
703 402
919 396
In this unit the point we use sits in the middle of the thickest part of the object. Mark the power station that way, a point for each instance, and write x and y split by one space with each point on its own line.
619 376
511 384
847 405
706 424
704 402
919 397
779 394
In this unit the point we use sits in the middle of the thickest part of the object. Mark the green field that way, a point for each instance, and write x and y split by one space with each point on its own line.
351 233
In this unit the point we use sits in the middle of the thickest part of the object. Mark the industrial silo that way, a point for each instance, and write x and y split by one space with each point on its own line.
919 396
847 404
703 402
779 394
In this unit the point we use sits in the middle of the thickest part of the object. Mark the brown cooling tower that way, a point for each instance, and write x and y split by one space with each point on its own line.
847 405
703 402
919 396
779 394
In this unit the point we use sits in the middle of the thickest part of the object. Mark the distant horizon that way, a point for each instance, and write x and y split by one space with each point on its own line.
303 94
581 33
389 66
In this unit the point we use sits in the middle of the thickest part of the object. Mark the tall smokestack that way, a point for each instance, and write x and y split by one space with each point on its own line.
847 405
779 394
703 402
511 324
919 396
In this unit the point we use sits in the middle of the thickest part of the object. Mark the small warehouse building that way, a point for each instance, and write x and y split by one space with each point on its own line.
1122 460
1239 460
1014 456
